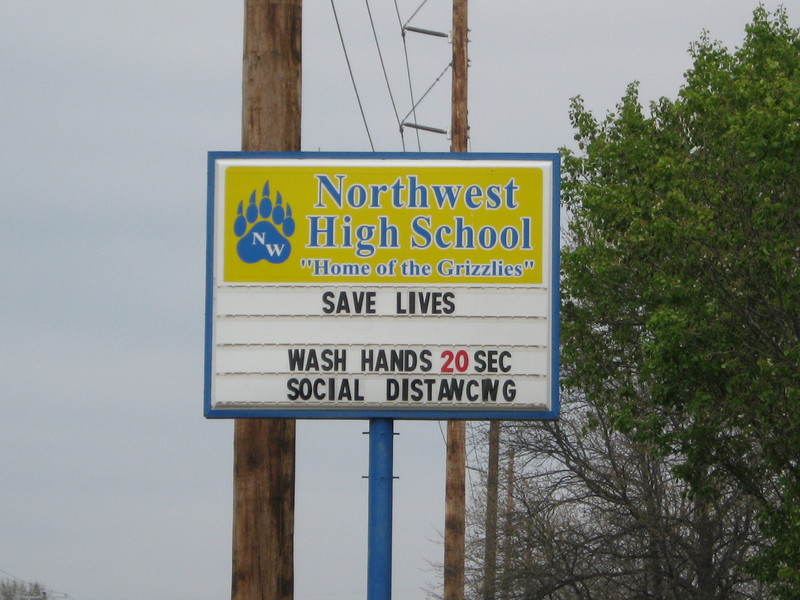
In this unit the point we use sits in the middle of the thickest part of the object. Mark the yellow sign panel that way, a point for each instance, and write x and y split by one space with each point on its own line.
381 223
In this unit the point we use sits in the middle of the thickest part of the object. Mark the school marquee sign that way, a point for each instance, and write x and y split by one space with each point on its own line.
419 286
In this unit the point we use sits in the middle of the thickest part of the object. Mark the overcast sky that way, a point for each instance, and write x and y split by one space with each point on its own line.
113 484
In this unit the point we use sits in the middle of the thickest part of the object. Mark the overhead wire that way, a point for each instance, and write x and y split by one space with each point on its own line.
415 103
447 68
352 77
408 68
386 76
414 14
402 123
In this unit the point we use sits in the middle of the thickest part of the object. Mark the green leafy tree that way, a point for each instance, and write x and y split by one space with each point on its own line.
681 287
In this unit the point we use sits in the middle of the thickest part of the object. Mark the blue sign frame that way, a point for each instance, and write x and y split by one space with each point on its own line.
410 413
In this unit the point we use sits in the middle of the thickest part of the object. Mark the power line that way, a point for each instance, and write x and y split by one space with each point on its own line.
413 108
414 14
415 103
386 76
352 78
404 122
408 66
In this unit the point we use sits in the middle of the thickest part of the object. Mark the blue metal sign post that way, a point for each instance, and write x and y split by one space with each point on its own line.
381 479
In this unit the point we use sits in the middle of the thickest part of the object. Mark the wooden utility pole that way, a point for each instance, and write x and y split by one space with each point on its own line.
455 511
508 528
459 123
492 485
264 449
455 492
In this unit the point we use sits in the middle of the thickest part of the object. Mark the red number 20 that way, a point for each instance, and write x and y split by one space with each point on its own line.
460 360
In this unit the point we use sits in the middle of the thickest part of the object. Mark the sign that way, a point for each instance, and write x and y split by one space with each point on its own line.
418 286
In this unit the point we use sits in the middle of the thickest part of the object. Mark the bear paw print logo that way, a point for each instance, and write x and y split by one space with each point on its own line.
264 230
